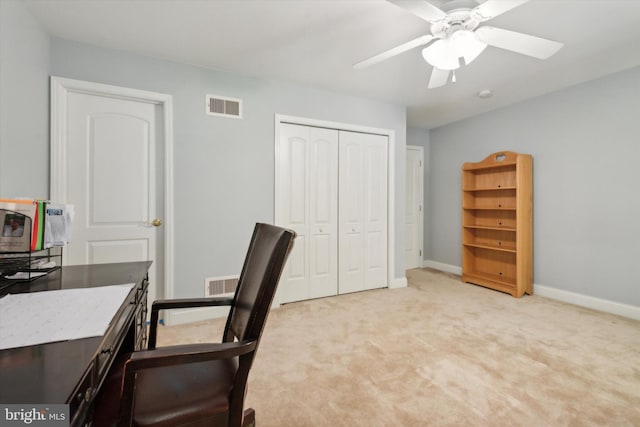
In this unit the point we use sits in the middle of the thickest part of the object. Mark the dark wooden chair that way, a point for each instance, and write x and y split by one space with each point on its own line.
200 384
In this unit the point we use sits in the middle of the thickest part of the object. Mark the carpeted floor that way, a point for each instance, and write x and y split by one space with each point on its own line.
439 353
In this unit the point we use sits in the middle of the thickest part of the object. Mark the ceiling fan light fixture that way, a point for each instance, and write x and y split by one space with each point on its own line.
465 44
441 55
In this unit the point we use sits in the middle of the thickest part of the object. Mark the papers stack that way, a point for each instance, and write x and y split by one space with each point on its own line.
33 225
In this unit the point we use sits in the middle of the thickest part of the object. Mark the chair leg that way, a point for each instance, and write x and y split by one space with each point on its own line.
249 418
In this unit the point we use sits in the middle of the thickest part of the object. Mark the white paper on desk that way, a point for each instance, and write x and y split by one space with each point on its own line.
49 316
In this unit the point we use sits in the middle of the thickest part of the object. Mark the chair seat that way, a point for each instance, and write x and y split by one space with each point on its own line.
184 395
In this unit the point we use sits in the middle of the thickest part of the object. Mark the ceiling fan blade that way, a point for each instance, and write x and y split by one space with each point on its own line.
422 9
518 42
438 78
473 52
492 8
420 41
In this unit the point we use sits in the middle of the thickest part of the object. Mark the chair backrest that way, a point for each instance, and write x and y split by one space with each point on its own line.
263 265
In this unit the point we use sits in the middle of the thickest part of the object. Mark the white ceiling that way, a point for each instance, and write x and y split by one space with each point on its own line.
315 42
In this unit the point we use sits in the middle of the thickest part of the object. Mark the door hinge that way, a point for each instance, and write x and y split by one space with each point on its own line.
420 251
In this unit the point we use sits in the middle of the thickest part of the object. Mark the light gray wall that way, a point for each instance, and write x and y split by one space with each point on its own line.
24 103
224 168
421 137
585 147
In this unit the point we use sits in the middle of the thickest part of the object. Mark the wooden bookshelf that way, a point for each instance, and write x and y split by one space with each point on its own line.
497 223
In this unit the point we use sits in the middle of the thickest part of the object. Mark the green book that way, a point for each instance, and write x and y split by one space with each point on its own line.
41 213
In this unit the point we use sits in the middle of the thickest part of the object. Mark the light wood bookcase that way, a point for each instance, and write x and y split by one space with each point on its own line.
497 223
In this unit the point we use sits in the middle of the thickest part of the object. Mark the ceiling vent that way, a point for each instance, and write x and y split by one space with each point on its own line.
223 106
218 286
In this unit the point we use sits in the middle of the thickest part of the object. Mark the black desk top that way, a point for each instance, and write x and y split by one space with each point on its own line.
83 276
48 373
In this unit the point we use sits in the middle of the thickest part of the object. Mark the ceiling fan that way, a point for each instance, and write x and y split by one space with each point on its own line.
457 35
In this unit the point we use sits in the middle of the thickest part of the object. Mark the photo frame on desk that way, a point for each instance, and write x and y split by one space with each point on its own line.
17 227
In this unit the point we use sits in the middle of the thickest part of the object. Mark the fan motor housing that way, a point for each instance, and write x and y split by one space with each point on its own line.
458 18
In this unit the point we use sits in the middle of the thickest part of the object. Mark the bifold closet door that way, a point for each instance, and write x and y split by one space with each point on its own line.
308 182
362 212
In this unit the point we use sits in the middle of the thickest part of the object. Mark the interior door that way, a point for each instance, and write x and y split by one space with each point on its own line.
414 209
113 156
362 212
308 182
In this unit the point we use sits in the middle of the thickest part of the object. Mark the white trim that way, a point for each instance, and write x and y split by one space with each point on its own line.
304 121
60 87
625 310
398 282
199 314
581 300
598 304
168 205
453 269
391 135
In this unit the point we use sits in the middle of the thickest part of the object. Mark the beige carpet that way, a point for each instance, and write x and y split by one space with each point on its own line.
440 353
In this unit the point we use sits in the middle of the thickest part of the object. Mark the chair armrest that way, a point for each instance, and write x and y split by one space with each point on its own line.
188 353
168 304
169 356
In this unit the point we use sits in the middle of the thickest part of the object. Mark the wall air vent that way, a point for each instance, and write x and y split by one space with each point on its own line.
216 286
223 106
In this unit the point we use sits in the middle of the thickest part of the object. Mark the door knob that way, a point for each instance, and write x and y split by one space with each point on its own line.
157 222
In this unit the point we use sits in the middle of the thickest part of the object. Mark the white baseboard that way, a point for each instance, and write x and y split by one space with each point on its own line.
599 304
398 282
178 317
190 315
453 269
581 300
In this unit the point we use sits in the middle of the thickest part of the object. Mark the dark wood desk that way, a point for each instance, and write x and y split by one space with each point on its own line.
73 371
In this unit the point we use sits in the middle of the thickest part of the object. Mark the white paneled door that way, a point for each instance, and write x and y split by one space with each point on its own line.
362 212
308 179
112 166
414 209
332 191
